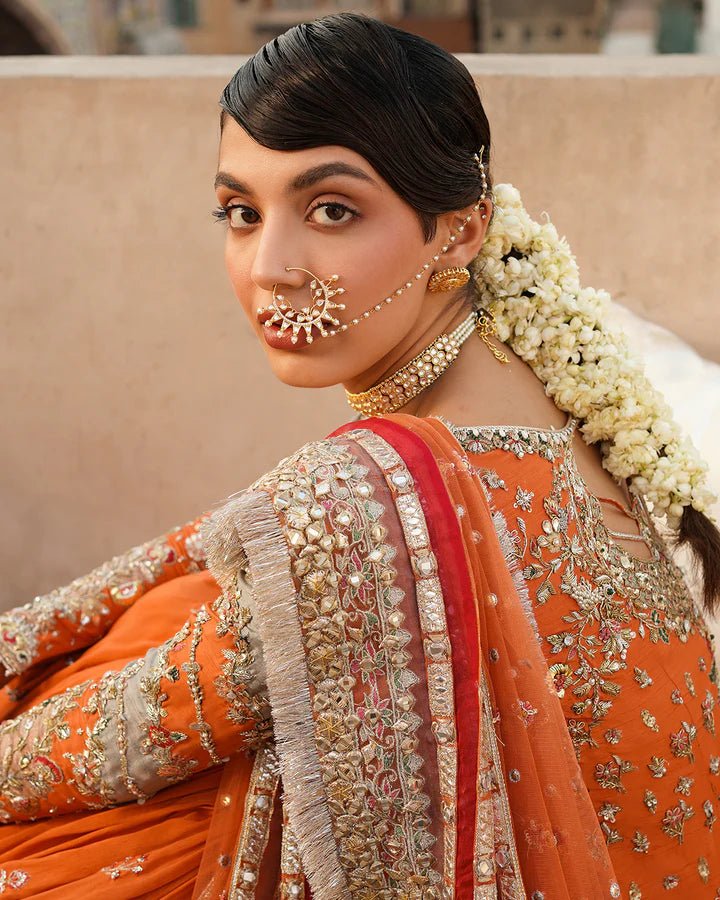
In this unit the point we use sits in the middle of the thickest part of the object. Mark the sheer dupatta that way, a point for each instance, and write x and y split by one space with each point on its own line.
422 748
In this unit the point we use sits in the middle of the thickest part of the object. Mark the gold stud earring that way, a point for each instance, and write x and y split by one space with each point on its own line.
448 279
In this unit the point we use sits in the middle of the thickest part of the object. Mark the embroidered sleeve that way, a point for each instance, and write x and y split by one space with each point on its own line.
75 616
184 707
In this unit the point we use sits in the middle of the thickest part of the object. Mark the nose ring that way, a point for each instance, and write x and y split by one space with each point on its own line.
317 315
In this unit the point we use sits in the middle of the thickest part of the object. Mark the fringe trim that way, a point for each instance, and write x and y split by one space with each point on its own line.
245 532
508 549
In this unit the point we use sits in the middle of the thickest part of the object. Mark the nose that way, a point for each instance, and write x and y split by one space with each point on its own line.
272 255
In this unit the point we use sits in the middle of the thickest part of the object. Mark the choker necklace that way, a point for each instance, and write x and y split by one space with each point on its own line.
395 391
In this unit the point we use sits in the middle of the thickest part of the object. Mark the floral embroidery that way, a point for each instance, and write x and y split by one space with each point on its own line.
650 800
649 720
27 772
684 785
109 741
657 766
703 869
690 684
523 499
673 822
709 814
12 880
559 673
708 705
129 865
609 603
609 774
346 584
615 606
606 814
526 712
641 842
85 609
681 741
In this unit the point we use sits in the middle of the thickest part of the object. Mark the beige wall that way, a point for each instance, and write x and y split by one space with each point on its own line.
133 396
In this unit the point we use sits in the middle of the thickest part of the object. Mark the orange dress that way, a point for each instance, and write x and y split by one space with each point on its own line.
631 657
470 689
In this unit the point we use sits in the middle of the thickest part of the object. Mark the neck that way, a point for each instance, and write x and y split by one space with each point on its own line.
418 338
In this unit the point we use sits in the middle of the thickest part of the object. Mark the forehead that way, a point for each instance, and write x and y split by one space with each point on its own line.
240 154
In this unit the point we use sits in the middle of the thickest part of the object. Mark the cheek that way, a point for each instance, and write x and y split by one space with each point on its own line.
386 262
238 273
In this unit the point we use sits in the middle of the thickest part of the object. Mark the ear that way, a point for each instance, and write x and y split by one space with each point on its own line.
467 242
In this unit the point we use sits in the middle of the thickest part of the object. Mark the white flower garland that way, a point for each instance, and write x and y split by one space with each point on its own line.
527 276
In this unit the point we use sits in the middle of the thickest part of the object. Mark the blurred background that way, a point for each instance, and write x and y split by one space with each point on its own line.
627 27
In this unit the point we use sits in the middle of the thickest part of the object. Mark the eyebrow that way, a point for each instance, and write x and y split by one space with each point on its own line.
302 181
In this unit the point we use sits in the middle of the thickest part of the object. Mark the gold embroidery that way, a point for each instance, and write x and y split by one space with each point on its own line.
131 864
191 669
673 822
90 604
292 879
431 609
703 869
649 720
27 771
350 618
641 842
657 766
495 852
609 775
259 805
623 598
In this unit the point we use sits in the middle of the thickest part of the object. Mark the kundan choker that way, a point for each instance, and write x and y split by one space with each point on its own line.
394 392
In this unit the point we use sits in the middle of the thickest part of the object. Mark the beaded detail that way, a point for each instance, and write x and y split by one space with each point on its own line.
629 654
395 391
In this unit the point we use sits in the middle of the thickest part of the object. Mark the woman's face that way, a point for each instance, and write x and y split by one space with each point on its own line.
328 211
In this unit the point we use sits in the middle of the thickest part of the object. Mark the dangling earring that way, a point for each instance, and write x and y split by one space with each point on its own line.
448 279
317 315
478 157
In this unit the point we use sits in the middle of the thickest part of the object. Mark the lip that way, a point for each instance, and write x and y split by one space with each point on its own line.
273 338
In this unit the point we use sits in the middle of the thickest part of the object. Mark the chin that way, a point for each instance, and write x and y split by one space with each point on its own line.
303 371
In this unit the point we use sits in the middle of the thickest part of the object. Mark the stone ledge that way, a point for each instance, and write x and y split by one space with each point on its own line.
517 65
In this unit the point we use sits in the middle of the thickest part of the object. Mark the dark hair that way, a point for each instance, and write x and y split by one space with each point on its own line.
406 105
700 534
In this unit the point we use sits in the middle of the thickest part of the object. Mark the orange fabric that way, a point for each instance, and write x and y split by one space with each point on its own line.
651 764
561 851
80 614
65 856
578 794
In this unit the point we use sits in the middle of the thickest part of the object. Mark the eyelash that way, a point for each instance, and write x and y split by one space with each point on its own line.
222 213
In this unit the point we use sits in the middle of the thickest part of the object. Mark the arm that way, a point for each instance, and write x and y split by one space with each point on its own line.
75 616
184 707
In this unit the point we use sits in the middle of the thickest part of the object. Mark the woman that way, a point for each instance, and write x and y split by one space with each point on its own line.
428 656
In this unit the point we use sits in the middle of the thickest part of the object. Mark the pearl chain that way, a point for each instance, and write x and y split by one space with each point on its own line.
399 388
418 275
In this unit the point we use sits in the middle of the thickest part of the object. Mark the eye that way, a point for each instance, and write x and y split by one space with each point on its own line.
242 216
333 213
237 216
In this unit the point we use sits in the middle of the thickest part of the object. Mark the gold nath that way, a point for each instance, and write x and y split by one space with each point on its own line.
397 390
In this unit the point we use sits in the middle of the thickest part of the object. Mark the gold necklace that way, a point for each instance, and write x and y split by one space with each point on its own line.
398 389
